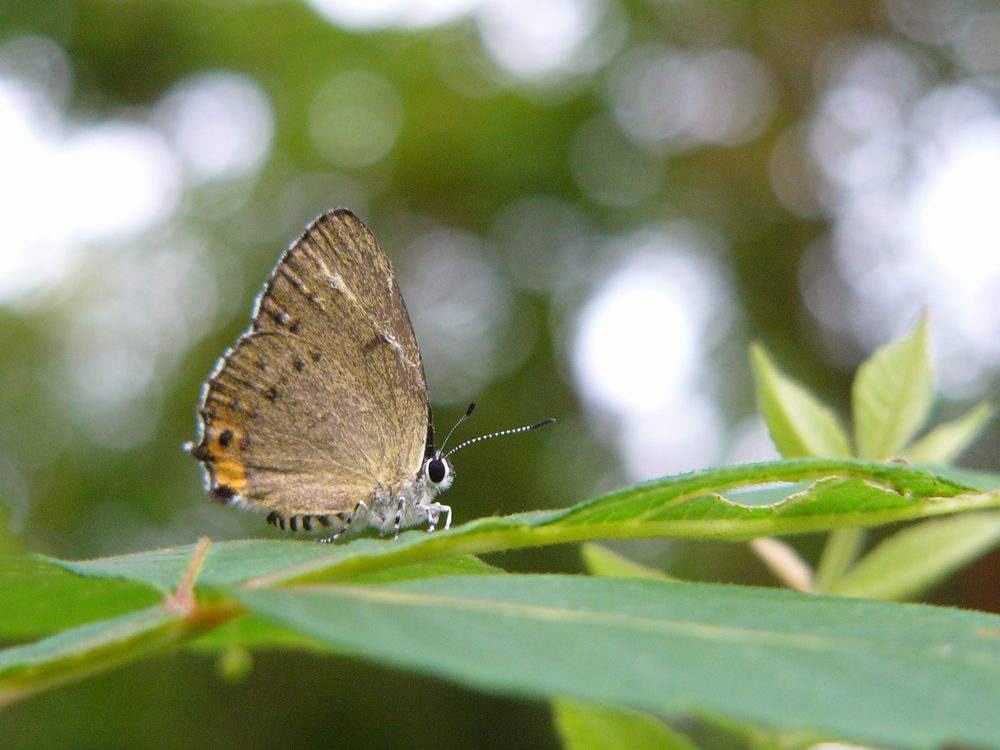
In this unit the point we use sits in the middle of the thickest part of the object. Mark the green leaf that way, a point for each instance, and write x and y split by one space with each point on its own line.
225 563
982 479
839 553
251 631
38 598
946 442
822 494
892 395
878 672
454 566
589 726
800 424
912 561
83 650
601 561
700 505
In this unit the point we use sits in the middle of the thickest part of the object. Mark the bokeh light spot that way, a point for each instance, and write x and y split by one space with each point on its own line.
64 184
355 118
671 99
911 185
461 309
642 335
377 14
640 350
220 123
535 39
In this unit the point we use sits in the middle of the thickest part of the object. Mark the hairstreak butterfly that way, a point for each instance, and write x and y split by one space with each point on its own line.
319 413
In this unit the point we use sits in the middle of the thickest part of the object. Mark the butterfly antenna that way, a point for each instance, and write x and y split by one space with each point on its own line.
468 413
502 433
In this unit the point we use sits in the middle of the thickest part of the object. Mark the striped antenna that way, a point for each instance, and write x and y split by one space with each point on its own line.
502 433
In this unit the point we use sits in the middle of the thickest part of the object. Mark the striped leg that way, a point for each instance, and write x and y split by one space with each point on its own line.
399 517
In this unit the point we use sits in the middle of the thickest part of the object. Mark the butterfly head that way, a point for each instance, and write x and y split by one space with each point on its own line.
438 472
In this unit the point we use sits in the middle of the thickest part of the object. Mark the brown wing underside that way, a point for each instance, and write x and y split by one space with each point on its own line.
324 399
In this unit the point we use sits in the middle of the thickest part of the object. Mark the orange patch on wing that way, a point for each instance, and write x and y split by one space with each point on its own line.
231 473
223 445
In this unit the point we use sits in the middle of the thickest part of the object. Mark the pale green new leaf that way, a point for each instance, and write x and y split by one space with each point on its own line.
946 442
591 726
912 561
892 396
602 561
799 423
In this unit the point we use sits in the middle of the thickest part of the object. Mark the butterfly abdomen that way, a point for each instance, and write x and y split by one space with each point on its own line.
303 521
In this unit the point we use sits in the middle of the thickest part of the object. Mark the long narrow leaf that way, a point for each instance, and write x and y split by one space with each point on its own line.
892 674
700 505
946 442
601 561
915 559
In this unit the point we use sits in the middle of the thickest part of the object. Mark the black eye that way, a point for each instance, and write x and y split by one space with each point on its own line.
436 470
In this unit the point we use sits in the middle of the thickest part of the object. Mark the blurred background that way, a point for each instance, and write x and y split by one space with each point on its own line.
592 207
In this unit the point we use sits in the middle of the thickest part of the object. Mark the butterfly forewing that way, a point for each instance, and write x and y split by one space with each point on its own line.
324 399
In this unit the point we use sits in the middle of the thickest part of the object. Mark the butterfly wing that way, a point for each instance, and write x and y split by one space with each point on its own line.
324 399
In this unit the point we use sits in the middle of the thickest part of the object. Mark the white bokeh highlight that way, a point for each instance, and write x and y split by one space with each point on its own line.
370 15
637 344
220 124
65 185
532 41
461 308
910 176
538 39
640 350
670 99
86 204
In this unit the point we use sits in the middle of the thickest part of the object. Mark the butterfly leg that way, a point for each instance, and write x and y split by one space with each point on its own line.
434 514
347 524
399 517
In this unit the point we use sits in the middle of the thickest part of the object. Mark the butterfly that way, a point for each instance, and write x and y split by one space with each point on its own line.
319 414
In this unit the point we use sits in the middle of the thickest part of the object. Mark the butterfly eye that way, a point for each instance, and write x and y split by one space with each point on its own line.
436 470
